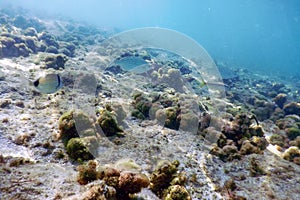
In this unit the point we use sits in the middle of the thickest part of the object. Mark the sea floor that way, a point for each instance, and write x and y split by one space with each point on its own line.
214 158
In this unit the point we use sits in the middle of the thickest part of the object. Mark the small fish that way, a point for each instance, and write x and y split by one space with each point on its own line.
216 84
48 84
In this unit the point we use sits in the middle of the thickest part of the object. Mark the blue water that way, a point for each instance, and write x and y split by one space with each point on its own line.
261 35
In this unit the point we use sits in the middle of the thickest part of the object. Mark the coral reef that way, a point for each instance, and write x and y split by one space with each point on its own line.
239 138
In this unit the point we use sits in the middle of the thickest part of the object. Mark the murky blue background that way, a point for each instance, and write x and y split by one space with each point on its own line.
261 35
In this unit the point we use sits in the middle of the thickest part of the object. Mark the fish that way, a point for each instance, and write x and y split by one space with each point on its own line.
212 84
48 84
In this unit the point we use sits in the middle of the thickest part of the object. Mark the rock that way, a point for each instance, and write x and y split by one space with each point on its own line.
280 99
292 108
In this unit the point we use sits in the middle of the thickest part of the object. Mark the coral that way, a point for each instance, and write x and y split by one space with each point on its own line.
173 117
189 122
125 182
130 183
4 103
99 191
204 121
292 132
67 127
108 123
48 39
110 176
55 61
295 142
177 192
255 168
77 150
292 108
9 47
277 139
239 138
265 110
172 78
87 173
51 49
280 99
17 161
30 32
249 148
292 154
164 179
141 106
